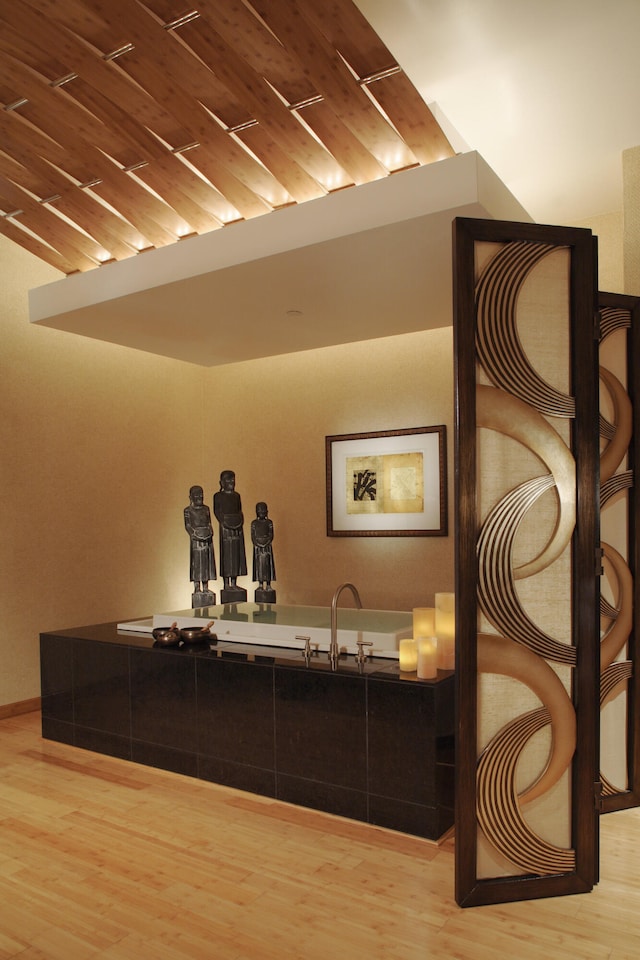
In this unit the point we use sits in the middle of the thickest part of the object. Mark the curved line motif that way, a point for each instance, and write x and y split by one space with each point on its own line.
499 814
505 414
613 318
606 429
500 655
611 678
620 630
500 350
615 485
608 789
607 609
497 594
613 454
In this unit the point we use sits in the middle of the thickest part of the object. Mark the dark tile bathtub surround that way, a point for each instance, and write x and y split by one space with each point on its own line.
373 745
321 725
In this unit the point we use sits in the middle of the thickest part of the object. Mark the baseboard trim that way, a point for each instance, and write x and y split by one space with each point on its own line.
16 709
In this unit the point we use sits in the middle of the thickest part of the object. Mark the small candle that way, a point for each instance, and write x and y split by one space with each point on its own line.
427 658
408 655
446 630
424 622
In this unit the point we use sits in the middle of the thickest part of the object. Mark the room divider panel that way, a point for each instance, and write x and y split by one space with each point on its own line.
619 504
528 561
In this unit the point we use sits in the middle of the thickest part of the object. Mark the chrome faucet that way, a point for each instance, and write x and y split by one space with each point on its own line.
334 652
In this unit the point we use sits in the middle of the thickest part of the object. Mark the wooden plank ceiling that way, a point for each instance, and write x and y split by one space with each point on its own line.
129 124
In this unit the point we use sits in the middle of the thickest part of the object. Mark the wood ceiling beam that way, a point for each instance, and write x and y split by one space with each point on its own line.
412 118
261 100
148 121
57 233
335 82
348 32
40 250
173 77
82 164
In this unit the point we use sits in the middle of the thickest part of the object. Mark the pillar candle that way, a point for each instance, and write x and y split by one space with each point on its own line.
446 630
427 658
408 650
424 622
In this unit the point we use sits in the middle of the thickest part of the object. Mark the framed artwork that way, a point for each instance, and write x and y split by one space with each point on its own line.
392 483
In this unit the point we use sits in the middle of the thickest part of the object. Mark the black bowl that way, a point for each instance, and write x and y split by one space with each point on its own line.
196 634
166 636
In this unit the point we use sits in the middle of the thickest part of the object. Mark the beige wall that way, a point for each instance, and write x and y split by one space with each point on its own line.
99 445
609 231
618 233
268 419
631 193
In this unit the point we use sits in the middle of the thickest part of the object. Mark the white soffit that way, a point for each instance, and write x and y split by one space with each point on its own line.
366 262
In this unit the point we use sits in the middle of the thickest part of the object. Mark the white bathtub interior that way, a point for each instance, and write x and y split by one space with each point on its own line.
282 626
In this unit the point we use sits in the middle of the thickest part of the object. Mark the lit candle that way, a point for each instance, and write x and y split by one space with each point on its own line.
446 630
427 658
424 622
408 651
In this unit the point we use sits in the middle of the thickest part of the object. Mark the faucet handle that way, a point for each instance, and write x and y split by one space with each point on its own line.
306 653
360 655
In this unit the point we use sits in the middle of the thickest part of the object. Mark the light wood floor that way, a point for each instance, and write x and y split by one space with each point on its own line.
104 859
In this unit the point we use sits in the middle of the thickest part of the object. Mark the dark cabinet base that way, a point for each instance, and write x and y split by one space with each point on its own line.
373 745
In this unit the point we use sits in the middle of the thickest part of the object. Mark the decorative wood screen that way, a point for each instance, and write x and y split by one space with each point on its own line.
619 603
527 565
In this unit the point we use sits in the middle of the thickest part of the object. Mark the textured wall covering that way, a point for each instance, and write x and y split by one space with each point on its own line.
608 228
268 420
631 195
101 444
98 447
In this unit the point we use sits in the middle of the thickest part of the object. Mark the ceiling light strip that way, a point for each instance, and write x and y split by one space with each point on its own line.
60 82
186 147
20 102
120 52
242 126
181 21
380 75
308 102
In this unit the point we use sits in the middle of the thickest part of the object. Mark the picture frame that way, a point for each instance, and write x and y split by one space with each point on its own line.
389 483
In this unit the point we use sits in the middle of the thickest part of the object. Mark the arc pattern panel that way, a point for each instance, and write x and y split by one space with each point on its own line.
619 423
526 583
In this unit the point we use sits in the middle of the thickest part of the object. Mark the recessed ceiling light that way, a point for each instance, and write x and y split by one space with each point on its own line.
294 314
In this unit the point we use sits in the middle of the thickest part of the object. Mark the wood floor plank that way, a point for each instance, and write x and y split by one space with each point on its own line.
101 859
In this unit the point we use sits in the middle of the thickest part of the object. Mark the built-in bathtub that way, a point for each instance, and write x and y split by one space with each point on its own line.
280 625
365 740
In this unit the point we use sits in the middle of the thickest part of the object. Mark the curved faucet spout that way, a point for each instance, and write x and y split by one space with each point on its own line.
334 652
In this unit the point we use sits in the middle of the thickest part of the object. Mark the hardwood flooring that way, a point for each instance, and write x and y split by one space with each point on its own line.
100 858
